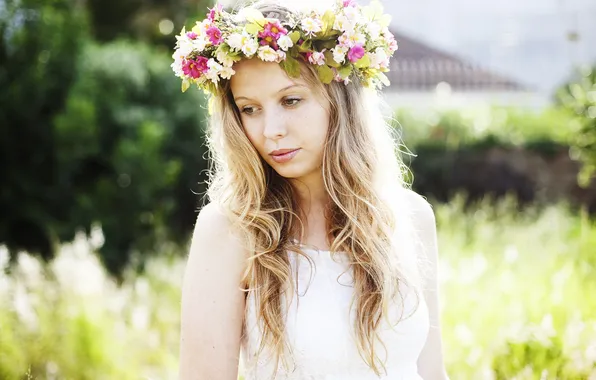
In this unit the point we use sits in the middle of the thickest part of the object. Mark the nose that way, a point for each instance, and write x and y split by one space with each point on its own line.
275 125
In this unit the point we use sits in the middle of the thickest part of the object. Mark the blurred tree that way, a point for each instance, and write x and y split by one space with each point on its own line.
92 134
151 21
131 147
39 44
579 97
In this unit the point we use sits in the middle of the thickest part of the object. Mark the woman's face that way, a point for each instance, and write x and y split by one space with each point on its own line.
284 119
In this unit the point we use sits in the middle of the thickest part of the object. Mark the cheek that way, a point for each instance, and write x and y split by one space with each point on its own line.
319 122
253 134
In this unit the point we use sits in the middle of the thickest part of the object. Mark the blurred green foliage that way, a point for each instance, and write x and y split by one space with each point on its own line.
579 98
95 130
513 309
483 126
40 43
92 133
130 146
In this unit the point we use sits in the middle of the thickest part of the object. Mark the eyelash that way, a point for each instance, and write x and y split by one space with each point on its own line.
285 101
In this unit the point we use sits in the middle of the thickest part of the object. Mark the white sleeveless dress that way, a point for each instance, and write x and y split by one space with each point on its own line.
319 328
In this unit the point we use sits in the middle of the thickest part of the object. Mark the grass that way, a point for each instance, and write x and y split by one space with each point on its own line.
515 304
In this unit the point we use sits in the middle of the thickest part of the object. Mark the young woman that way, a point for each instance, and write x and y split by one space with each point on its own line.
313 259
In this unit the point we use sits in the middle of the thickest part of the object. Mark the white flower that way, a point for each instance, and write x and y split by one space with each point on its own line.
339 53
213 64
317 58
267 54
226 72
214 69
235 41
312 25
249 45
379 59
343 24
285 42
353 15
201 27
199 43
225 59
177 67
185 45
351 38
281 55
374 30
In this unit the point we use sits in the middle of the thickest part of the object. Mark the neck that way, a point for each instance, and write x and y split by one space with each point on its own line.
313 199
311 193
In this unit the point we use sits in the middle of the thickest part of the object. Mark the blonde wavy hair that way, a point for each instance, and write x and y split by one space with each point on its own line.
367 218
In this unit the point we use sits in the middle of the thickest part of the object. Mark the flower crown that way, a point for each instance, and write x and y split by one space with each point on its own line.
344 42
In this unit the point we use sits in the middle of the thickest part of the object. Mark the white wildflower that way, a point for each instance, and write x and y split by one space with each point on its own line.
226 72
224 59
379 59
249 45
374 30
351 38
281 55
267 54
339 53
343 24
285 42
235 41
317 58
312 25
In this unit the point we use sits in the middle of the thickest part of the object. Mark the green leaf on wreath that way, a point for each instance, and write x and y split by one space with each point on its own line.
363 62
295 36
291 66
325 74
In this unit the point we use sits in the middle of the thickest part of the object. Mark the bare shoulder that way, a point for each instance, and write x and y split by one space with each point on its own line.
214 229
422 211
212 299
212 219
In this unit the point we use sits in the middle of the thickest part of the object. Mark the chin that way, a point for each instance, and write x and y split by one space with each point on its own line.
291 171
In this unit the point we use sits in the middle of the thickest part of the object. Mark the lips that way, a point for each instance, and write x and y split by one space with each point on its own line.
283 155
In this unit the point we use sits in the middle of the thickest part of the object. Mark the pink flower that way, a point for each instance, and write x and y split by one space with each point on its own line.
349 3
218 8
274 29
356 52
392 44
191 35
194 68
214 35
271 33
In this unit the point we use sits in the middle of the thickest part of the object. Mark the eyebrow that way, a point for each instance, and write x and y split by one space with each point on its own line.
281 90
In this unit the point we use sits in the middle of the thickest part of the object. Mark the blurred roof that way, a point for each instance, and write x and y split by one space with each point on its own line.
417 66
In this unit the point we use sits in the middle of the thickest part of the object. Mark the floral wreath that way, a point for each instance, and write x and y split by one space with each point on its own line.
344 42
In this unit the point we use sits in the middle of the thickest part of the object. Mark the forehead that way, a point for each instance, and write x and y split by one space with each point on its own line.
256 78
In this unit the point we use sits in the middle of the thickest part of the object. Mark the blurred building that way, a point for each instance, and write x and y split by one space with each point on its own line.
424 76
535 42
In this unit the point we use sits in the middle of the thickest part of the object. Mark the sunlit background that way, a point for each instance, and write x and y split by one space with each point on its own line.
103 167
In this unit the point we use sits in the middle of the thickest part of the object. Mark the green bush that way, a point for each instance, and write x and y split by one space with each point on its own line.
131 147
579 98
40 41
487 126
538 355
93 133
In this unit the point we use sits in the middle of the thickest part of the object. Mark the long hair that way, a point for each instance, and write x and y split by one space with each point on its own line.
366 216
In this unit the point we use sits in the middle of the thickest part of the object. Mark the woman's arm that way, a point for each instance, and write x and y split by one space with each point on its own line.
430 363
212 301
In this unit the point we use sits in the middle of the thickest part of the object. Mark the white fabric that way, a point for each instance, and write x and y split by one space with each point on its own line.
320 330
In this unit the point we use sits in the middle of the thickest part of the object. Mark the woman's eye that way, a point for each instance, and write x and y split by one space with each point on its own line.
248 110
291 101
